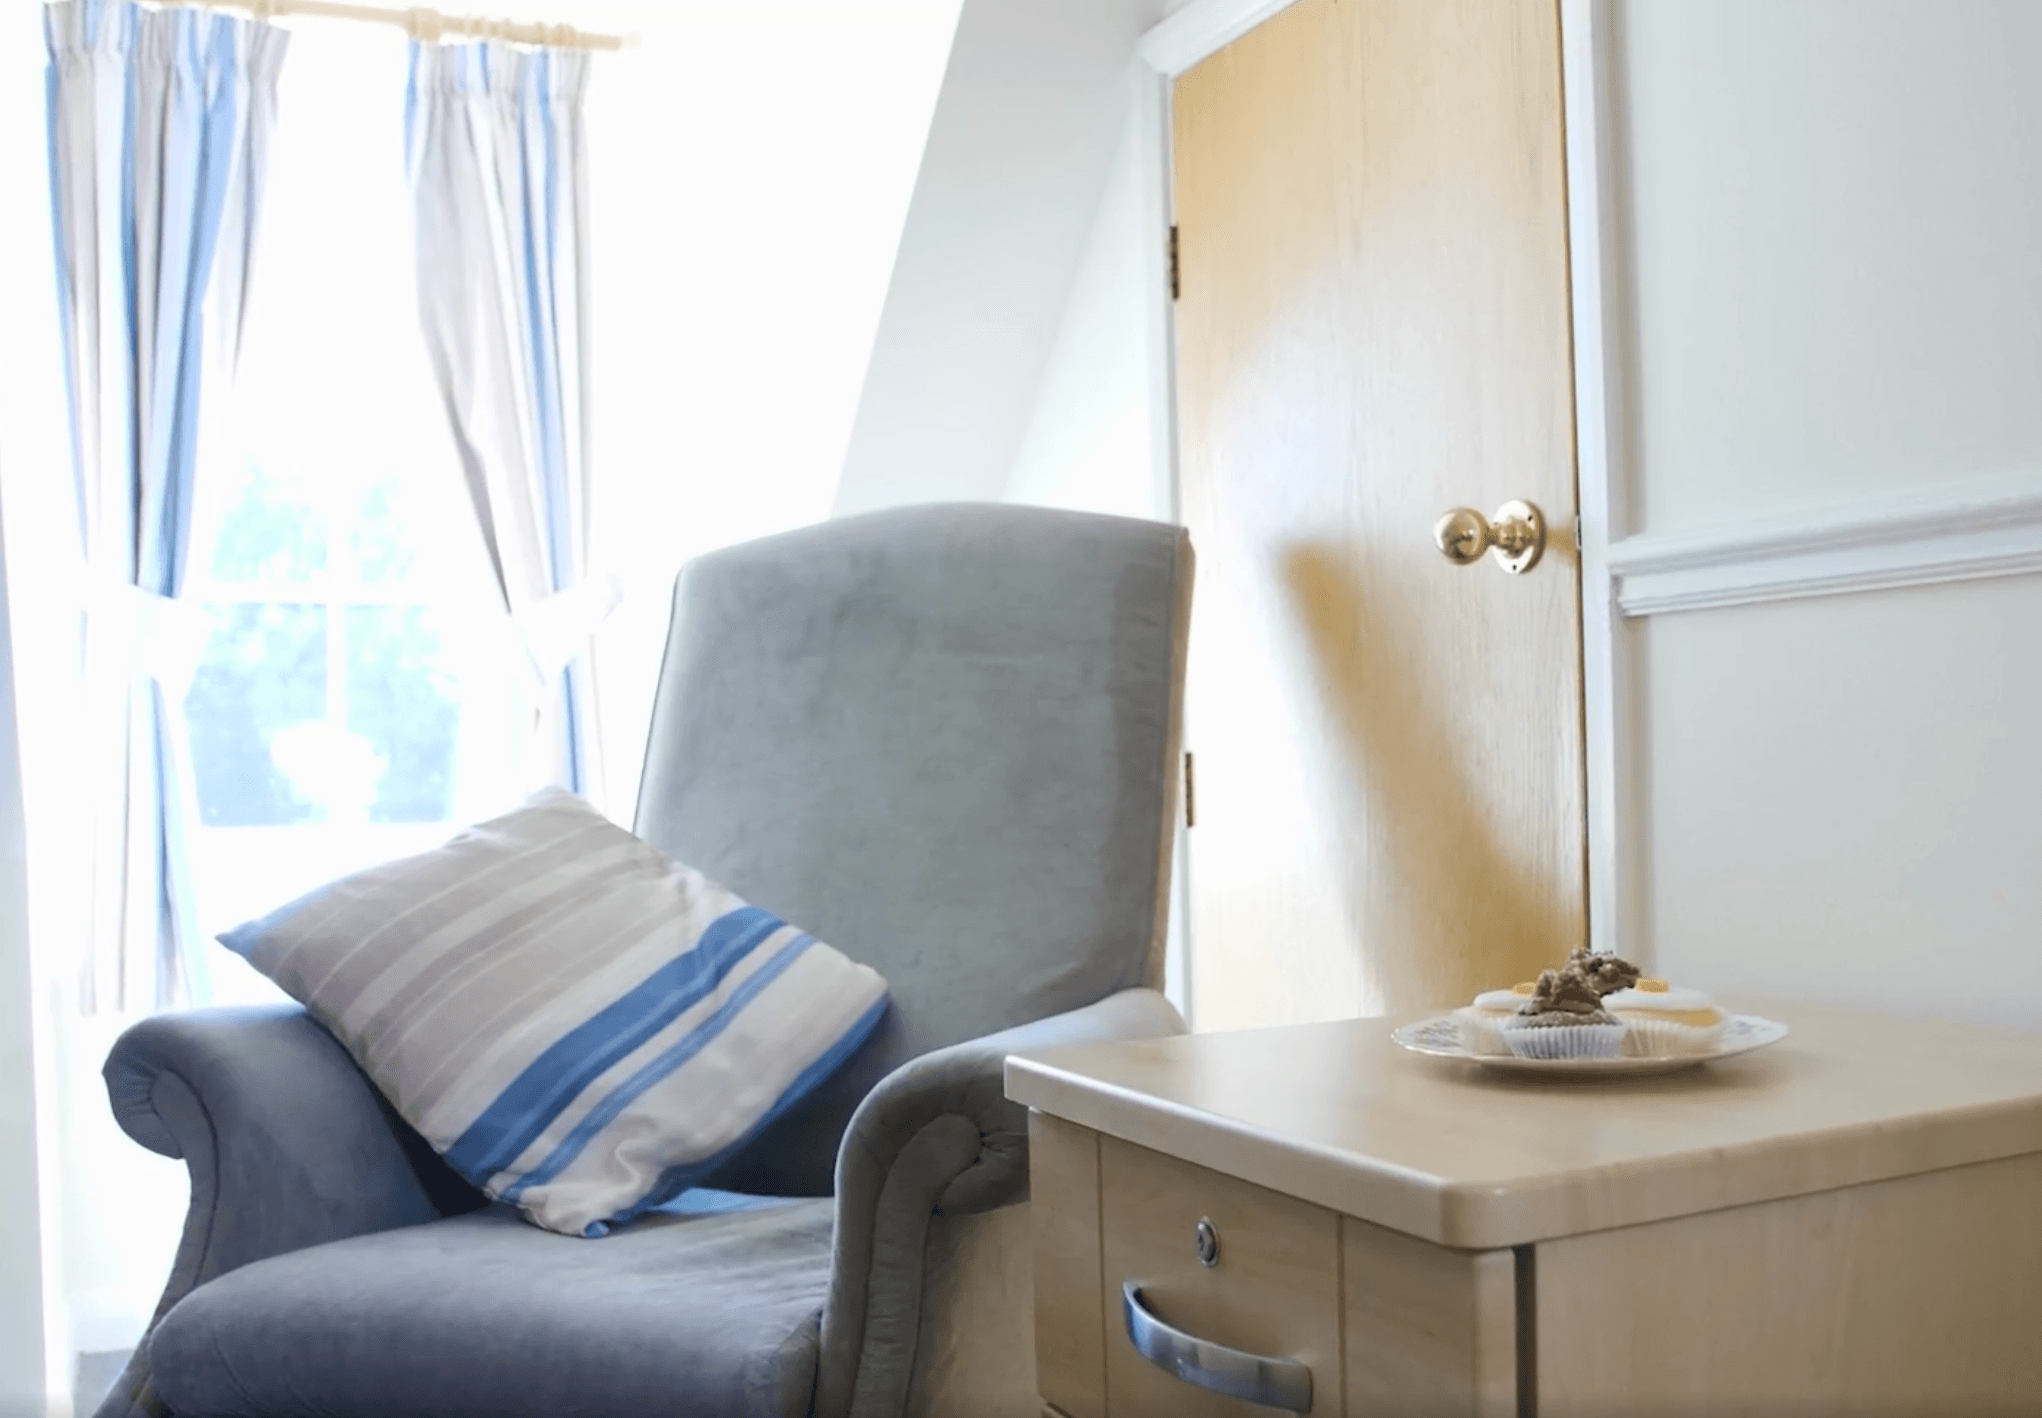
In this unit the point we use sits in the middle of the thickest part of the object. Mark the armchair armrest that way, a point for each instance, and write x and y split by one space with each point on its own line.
938 1136
287 1142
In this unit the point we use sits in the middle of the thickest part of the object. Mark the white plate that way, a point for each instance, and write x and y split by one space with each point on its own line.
1440 1037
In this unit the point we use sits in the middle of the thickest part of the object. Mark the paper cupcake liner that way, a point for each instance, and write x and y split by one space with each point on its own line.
1666 1038
1566 1041
1482 1032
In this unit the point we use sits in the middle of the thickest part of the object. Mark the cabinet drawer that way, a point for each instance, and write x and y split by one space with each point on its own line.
1272 1290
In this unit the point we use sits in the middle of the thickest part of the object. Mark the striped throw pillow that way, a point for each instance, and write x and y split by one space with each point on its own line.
581 1026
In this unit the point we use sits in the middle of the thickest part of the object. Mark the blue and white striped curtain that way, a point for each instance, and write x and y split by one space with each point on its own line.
159 122
499 178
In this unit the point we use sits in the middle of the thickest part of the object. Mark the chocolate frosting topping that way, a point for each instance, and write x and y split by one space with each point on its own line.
1573 993
1606 972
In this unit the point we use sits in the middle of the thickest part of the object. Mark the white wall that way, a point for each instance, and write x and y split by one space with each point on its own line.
1013 212
1837 214
34 1369
1835 217
1097 438
751 168
27 1360
1842 799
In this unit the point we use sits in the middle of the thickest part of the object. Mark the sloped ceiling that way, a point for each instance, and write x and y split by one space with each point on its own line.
1032 107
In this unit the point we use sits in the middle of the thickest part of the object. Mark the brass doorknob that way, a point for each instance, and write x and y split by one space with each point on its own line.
1517 536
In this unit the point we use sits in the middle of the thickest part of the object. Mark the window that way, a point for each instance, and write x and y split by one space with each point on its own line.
328 691
352 701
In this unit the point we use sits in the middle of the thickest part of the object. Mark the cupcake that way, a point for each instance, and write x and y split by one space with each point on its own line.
1665 1021
1481 1023
1565 1018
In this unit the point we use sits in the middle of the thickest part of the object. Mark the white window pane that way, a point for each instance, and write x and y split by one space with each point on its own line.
263 675
384 529
404 701
269 531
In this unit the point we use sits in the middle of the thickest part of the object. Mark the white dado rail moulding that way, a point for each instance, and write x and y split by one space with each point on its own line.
1963 531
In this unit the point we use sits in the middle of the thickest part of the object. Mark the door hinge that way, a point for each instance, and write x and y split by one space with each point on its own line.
1174 286
1190 794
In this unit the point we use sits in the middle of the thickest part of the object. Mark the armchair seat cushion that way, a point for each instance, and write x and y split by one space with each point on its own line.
713 1311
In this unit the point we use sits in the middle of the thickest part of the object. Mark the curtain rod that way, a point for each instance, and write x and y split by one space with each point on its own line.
430 25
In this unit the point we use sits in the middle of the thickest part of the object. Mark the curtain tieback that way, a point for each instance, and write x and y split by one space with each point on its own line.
555 630
144 633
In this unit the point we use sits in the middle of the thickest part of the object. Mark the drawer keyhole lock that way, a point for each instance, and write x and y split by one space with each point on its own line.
1205 1240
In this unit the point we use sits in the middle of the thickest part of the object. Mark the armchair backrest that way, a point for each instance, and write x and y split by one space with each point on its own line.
945 740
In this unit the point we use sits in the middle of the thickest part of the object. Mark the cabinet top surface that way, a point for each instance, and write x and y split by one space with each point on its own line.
1337 1114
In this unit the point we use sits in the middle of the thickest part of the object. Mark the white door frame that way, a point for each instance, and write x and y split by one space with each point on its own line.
1615 918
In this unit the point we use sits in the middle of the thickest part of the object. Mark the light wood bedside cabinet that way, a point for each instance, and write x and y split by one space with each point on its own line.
1848 1223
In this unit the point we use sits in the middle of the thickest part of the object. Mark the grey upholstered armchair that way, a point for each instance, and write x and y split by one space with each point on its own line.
942 738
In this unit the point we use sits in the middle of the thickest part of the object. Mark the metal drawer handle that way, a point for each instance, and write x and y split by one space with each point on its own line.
1275 1383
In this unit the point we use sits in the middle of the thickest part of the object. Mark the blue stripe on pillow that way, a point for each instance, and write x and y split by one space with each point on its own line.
689 1045
558 1076
675 1180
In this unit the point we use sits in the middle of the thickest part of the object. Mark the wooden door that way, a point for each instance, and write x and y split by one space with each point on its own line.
1373 327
